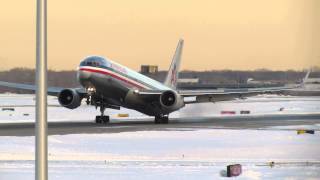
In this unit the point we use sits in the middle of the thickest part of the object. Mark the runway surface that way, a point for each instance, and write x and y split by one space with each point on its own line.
129 125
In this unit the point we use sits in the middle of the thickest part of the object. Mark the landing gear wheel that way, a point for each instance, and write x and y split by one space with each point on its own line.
102 119
98 119
161 120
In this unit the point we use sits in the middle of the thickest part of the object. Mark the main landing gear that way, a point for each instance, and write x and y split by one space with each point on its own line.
102 119
162 119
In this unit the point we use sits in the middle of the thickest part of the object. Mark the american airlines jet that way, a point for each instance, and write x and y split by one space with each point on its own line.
107 84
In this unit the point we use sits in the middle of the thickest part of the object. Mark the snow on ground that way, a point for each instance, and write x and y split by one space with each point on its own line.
173 154
24 110
167 155
195 145
262 104
154 170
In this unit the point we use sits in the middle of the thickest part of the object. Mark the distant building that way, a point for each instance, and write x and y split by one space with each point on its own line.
252 81
148 69
188 81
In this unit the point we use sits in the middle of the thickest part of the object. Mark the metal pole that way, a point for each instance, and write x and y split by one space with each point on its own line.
41 158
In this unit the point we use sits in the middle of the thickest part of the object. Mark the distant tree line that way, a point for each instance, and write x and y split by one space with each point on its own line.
68 78
234 76
27 76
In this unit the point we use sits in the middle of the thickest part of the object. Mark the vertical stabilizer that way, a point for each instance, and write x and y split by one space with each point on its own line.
306 77
173 73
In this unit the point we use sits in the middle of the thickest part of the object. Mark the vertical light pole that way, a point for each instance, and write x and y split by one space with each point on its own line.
41 158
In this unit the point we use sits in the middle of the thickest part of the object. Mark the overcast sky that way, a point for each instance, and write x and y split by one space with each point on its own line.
218 34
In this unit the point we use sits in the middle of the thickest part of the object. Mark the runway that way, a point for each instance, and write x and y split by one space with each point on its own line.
130 125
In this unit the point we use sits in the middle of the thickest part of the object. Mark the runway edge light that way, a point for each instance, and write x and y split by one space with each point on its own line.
234 170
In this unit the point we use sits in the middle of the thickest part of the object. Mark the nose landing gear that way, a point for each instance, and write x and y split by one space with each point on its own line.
99 102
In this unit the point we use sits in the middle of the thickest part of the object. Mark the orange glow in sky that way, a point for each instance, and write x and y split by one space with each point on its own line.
218 34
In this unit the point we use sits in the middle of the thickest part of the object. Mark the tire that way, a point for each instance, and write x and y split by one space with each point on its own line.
161 120
105 119
98 119
102 119
157 120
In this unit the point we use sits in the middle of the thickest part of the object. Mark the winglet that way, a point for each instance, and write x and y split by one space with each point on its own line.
173 73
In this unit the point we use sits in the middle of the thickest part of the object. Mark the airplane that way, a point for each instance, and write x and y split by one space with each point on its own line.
305 79
107 84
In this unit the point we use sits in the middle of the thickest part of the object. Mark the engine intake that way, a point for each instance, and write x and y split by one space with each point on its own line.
170 101
69 98
168 98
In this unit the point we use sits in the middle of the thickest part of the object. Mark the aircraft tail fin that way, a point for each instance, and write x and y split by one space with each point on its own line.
173 73
306 77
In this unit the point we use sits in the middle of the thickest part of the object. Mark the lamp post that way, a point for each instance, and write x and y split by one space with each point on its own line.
41 153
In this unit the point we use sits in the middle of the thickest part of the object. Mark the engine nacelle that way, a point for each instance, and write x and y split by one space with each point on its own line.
69 98
171 101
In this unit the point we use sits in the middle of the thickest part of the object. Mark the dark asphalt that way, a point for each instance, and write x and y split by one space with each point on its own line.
190 123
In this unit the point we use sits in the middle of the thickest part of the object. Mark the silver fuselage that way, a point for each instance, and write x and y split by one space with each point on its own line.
117 84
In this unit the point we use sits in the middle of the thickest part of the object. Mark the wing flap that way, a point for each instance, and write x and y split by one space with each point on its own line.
227 94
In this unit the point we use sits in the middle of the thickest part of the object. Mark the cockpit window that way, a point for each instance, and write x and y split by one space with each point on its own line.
95 61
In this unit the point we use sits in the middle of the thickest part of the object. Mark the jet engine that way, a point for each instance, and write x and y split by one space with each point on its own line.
171 101
69 98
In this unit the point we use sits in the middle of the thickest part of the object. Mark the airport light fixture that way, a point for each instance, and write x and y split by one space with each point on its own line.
41 153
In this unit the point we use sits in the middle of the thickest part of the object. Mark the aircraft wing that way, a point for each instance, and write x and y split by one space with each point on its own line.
54 91
200 96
